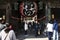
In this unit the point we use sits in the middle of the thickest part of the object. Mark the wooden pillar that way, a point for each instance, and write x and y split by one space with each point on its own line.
48 12
8 12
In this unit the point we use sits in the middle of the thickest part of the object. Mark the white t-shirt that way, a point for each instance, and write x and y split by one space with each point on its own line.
26 27
11 35
50 27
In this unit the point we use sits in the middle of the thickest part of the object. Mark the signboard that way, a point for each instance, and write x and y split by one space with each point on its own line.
28 8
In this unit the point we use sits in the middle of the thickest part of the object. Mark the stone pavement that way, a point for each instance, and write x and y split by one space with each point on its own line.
36 39
33 37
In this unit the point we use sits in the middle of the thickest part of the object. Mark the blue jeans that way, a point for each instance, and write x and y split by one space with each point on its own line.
50 34
55 35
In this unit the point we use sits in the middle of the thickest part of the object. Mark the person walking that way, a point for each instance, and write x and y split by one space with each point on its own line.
7 33
50 30
55 30
26 27
36 28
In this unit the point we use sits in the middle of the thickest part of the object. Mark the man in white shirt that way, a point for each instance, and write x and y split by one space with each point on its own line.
26 28
50 29
7 34
11 35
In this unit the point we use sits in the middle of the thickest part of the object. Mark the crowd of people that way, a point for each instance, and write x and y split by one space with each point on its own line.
34 26
7 32
51 29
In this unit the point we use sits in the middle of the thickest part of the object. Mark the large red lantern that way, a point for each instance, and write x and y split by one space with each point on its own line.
28 8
